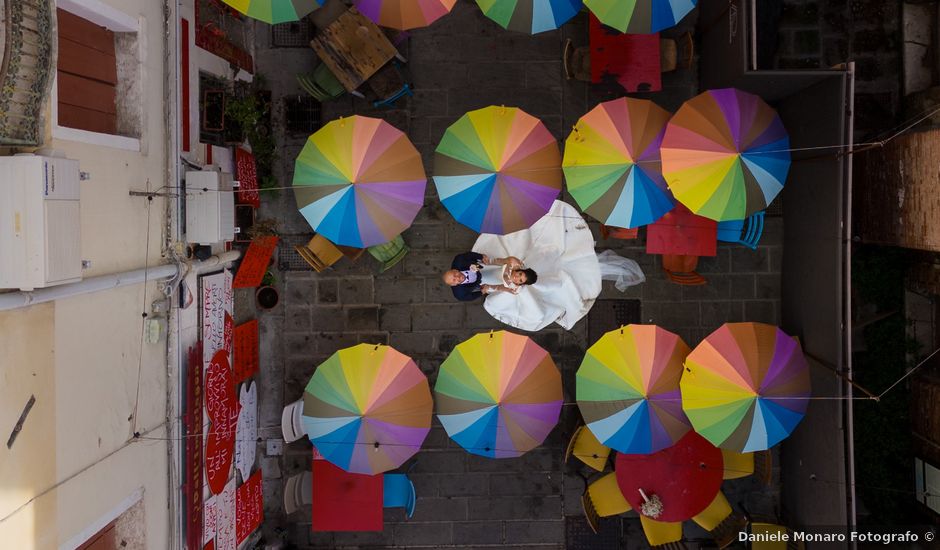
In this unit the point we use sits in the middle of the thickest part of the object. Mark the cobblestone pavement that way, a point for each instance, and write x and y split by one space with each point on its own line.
463 62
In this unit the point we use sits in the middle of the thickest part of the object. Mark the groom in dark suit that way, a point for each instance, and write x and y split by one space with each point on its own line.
464 280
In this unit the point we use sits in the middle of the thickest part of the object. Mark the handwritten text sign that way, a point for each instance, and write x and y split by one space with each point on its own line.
192 488
249 507
222 410
211 518
247 174
255 263
246 434
225 526
216 303
246 351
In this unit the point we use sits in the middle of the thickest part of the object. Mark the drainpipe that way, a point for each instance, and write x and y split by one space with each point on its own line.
847 312
16 300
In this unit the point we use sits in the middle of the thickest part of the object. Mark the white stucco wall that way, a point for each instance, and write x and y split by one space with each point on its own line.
75 465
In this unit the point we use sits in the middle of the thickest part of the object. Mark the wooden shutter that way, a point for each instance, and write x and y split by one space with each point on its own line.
87 74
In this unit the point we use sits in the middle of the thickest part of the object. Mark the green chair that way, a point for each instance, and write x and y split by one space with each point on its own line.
322 84
389 253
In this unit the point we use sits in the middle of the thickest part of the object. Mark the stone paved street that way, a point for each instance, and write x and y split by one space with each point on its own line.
463 62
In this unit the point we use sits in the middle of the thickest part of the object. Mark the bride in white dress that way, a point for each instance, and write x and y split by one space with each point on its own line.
559 247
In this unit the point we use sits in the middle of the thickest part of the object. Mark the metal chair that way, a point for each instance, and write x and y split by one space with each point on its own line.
602 499
319 252
586 448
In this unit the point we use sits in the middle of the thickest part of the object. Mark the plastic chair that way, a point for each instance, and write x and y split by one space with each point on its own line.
586 448
392 82
612 232
714 513
298 492
399 492
746 232
661 533
389 253
737 465
768 527
764 466
577 62
681 270
319 252
602 499
351 253
669 52
292 425
322 84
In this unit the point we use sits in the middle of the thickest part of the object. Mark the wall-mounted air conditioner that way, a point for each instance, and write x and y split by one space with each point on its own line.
210 207
40 226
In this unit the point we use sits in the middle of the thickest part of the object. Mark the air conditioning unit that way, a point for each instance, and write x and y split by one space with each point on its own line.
210 207
40 226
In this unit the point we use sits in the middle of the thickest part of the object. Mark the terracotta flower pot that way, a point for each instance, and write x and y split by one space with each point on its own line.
267 297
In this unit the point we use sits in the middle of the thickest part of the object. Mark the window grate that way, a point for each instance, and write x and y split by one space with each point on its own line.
303 114
296 34
288 258
776 207
579 536
608 315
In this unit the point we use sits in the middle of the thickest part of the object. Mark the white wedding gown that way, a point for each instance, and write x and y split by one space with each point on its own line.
560 248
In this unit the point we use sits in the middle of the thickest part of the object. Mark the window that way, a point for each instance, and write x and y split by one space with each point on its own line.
87 75
927 484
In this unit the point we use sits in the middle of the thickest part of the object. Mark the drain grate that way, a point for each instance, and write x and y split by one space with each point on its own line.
288 258
578 535
303 114
608 315
776 207
296 34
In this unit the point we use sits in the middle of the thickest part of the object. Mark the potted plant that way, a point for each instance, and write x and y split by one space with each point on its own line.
267 295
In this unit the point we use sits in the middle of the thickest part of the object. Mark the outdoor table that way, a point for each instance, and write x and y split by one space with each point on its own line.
680 232
354 48
343 501
630 59
686 477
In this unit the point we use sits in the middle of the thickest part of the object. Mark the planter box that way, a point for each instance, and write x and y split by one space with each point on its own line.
244 220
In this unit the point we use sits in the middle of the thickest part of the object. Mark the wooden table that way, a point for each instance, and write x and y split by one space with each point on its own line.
354 48
686 477
680 232
343 501
632 60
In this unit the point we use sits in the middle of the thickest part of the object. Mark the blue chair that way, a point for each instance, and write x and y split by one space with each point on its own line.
747 232
399 492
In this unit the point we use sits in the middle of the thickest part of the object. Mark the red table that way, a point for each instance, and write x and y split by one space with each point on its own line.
345 502
630 59
686 477
680 232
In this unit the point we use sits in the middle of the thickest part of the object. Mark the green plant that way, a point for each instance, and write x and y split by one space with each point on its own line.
249 108
269 279
265 227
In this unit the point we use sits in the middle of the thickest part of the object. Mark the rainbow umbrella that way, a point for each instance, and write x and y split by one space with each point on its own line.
359 182
497 170
275 11
530 16
725 154
640 16
367 408
612 165
746 386
498 395
628 389
405 14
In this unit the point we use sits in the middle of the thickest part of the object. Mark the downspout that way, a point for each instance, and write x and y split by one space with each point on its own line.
166 272
847 301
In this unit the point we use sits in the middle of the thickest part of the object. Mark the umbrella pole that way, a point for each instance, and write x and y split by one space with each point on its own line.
842 376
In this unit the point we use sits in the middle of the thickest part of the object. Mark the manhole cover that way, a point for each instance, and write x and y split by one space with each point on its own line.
608 315
579 536
296 34
303 114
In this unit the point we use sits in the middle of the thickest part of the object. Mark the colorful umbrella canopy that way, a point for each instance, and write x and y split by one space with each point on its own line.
498 395
725 154
497 170
275 11
746 386
628 389
612 164
640 16
405 14
359 182
530 16
367 408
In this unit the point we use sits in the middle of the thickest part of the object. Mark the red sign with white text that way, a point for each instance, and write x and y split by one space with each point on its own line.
249 507
255 263
247 174
246 351
222 410
192 487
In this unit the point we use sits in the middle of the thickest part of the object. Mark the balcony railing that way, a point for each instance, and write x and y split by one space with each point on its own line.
28 40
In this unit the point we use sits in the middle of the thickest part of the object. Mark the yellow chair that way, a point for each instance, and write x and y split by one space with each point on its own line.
714 513
767 528
763 467
586 448
737 464
661 533
319 252
602 499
